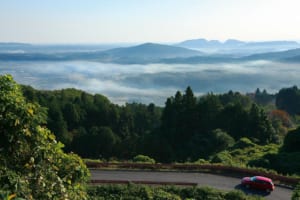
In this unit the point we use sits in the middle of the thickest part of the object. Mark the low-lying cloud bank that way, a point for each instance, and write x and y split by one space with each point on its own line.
153 82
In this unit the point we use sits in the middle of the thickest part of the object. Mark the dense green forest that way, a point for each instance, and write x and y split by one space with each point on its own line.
212 127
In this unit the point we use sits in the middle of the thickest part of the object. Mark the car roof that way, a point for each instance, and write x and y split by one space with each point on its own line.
263 178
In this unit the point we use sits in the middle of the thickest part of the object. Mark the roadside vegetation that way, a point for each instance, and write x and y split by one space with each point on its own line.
137 192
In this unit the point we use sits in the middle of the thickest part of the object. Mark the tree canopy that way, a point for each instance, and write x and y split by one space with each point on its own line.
184 129
32 162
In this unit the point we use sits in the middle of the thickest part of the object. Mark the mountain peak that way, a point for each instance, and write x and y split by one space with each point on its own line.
147 52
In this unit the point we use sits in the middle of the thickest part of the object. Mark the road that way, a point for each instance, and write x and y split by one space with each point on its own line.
202 179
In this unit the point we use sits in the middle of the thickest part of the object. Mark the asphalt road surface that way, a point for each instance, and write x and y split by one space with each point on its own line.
202 179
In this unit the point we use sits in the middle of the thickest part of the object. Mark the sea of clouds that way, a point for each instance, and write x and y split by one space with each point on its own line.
153 83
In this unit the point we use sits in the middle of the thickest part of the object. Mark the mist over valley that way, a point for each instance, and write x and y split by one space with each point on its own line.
153 82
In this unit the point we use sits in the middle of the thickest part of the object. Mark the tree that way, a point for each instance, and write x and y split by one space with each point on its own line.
259 127
288 99
57 124
292 141
221 140
209 108
233 119
33 165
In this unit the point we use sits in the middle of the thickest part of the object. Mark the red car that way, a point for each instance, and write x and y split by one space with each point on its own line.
258 182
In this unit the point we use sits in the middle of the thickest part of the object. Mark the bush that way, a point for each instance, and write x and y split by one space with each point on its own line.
296 193
33 164
243 143
291 141
223 157
143 159
142 192
237 195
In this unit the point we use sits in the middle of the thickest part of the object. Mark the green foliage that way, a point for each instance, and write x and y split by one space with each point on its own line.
292 141
246 153
201 161
296 193
271 157
223 157
139 192
243 143
33 165
283 162
221 140
4 195
188 128
263 98
143 159
238 195
288 99
78 119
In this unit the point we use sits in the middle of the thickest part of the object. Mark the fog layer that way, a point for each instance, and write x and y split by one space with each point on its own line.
153 82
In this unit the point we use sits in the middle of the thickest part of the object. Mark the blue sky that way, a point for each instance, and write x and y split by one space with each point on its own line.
110 21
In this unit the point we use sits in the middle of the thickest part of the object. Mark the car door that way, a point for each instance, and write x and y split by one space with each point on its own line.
259 184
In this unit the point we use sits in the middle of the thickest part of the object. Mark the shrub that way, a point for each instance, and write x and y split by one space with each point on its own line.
142 192
222 157
296 193
243 143
143 159
33 164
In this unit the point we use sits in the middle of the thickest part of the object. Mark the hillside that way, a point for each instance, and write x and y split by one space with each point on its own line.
203 43
237 47
144 53
147 53
157 53
277 56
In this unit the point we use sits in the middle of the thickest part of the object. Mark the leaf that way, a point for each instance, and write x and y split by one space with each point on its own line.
17 122
30 111
11 196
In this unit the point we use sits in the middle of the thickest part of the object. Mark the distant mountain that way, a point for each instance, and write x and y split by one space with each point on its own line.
203 43
234 43
273 43
282 56
200 60
199 43
238 47
276 56
13 44
157 53
152 51
295 59
140 54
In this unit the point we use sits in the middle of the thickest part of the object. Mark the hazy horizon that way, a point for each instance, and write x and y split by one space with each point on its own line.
135 21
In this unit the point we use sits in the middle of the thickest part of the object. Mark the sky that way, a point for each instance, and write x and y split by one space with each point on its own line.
136 21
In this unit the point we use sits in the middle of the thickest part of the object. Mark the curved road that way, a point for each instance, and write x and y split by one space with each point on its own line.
202 179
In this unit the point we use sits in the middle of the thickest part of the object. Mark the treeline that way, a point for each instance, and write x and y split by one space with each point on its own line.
187 128
92 126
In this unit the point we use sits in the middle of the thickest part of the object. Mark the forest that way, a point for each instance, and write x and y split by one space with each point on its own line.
212 127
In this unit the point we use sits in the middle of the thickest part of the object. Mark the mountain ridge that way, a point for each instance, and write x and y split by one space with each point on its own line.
155 53
201 42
